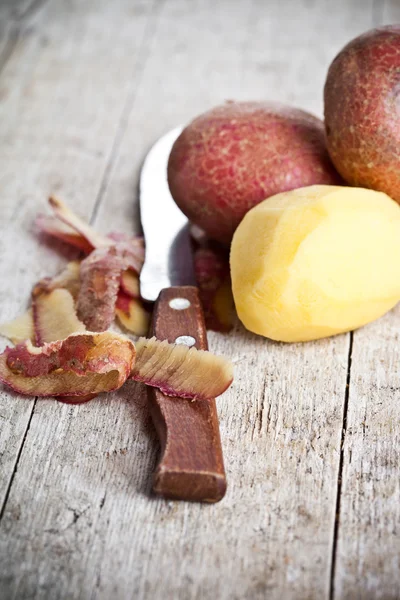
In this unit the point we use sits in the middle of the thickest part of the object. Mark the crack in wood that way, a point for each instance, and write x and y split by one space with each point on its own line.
14 471
76 515
261 414
257 425
340 473
30 10
16 24
269 416
140 64
276 549
143 53
14 34
9 47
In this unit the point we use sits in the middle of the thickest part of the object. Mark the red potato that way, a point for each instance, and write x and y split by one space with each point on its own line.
233 157
362 111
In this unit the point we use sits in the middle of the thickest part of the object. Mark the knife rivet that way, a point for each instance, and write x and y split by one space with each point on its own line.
186 340
179 303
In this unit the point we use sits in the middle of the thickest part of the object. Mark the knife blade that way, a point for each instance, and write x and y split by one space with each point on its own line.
191 464
168 260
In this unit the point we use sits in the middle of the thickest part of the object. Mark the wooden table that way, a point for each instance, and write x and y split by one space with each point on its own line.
310 432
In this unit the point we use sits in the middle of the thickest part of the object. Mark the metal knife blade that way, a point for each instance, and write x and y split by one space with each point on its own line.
168 260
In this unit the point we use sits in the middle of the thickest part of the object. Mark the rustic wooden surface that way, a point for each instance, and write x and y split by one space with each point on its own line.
310 432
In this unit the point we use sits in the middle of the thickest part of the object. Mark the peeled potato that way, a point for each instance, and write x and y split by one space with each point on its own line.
316 261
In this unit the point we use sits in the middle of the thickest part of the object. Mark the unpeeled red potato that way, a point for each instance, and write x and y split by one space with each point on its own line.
316 261
232 157
362 111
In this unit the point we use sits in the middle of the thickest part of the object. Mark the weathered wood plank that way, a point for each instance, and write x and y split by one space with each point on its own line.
390 12
368 554
275 528
292 46
18 11
14 415
15 18
61 100
367 549
78 522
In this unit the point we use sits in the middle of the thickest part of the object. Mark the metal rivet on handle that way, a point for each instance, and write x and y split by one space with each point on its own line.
186 340
179 303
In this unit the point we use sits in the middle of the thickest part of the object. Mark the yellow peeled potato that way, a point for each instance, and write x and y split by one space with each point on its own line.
316 261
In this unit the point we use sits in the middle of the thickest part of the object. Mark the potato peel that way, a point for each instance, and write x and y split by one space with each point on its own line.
132 250
181 371
19 329
131 314
65 214
86 364
68 279
211 268
130 283
100 276
74 364
76 399
100 282
54 316
52 226
81 365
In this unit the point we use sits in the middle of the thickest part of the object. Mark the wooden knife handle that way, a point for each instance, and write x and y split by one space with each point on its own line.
191 465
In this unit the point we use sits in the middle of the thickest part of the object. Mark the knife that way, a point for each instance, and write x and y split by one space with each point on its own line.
191 465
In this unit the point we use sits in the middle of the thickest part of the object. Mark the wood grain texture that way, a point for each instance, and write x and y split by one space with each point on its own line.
20 11
390 12
368 556
56 135
367 564
79 521
191 465
367 545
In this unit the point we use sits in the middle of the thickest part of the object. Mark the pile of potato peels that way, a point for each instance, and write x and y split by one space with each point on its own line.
63 344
